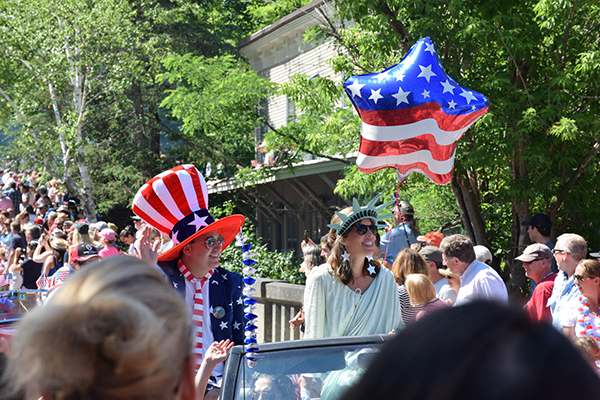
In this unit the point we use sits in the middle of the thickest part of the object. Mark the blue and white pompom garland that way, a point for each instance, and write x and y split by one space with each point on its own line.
249 303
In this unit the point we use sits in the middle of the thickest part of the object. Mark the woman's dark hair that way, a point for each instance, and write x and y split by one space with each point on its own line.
481 350
284 385
325 239
408 262
341 269
127 231
312 256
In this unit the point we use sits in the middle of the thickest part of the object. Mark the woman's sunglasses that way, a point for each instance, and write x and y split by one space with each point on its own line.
362 229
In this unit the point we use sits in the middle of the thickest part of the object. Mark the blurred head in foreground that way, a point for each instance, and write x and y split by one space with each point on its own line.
477 351
114 330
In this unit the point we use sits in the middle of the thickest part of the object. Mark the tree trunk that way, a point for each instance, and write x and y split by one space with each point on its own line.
138 133
89 207
517 282
469 205
465 187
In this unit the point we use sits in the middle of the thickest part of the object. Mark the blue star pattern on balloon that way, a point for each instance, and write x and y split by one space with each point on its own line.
413 115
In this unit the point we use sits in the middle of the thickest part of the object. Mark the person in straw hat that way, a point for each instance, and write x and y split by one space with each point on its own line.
175 202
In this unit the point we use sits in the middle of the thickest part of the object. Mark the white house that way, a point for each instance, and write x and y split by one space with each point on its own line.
301 199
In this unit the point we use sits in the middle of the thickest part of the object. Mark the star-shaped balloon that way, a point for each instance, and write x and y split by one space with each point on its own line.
413 114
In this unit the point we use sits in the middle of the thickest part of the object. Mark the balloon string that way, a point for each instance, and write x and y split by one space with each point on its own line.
402 219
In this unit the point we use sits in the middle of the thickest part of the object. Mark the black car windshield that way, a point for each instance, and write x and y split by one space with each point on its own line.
304 373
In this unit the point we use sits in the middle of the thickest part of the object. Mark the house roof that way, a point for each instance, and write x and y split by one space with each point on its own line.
304 168
278 24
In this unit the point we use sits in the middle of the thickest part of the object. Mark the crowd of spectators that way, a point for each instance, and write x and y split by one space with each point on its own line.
434 272
41 227
46 238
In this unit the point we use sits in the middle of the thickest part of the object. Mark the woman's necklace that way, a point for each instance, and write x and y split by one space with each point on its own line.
585 323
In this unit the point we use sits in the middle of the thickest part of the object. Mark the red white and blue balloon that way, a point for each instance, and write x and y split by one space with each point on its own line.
413 115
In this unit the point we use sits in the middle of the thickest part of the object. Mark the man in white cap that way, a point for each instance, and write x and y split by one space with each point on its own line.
483 254
536 261
175 202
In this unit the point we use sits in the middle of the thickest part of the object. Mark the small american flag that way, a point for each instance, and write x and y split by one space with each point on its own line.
42 282
63 274
413 115
6 279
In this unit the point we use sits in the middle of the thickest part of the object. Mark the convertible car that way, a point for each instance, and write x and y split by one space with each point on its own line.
299 369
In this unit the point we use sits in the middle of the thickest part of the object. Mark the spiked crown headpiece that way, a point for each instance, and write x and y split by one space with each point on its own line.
358 213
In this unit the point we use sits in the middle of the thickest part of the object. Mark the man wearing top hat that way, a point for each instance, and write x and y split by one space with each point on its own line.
175 202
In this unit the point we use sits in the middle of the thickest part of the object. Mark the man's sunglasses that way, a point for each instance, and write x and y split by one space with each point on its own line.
362 229
211 241
531 262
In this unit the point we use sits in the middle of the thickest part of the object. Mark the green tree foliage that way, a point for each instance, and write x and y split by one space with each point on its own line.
269 264
103 108
223 93
266 12
65 56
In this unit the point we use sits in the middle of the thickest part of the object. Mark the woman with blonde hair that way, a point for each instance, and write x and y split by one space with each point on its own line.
351 294
422 293
408 262
81 233
115 330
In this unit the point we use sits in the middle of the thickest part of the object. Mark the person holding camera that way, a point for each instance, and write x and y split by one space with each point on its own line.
28 270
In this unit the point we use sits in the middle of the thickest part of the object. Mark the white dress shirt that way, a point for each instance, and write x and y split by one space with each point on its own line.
481 282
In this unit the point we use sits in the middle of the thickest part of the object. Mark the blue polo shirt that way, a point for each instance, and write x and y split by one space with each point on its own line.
394 241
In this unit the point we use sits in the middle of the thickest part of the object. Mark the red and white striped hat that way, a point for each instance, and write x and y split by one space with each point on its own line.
176 203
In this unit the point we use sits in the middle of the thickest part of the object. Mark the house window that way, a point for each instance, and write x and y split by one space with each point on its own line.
290 110
344 101
262 129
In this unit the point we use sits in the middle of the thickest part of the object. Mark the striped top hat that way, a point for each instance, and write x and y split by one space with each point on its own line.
176 203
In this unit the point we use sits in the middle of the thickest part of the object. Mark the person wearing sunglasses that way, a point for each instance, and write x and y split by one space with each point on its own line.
580 317
175 203
352 294
569 250
536 259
